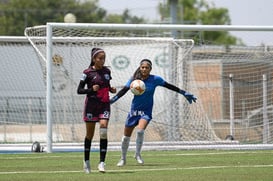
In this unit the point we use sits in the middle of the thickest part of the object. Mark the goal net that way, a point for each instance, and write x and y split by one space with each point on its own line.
232 83
173 118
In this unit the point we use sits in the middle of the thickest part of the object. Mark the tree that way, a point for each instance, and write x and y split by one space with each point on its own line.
126 17
16 15
201 12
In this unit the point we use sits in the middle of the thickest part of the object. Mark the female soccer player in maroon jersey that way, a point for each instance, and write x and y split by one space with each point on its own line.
96 78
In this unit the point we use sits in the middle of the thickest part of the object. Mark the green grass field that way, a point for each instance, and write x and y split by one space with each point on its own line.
209 165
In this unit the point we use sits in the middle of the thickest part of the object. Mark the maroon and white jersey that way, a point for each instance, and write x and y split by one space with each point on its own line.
100 77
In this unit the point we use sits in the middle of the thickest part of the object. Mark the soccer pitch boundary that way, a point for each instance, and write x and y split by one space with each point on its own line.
175 165
148 146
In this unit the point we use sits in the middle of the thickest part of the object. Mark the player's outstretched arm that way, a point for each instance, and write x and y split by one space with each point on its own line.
190 97
121 93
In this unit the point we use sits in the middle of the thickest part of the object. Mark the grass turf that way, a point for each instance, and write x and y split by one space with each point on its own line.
159 165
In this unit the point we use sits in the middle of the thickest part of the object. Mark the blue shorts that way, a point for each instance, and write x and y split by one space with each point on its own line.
132 121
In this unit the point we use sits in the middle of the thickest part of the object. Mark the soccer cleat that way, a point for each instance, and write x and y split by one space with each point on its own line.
121 163
86 166
101 167
139 159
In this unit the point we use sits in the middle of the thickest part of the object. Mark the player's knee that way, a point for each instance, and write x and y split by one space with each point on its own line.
140 137
125 139
140 132
103 133
89 136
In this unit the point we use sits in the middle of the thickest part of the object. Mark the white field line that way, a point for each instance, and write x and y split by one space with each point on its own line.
202 154
45 155
148 146
140 170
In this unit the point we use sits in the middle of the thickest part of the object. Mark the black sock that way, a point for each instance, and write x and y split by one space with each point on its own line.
103 149
87 147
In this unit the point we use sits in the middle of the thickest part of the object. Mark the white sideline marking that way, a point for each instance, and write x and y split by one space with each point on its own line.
146 155
141 170
148 146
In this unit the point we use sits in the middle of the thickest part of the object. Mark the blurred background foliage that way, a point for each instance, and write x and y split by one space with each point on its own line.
16 15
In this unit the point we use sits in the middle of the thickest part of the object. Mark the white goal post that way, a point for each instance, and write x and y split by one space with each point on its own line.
189 123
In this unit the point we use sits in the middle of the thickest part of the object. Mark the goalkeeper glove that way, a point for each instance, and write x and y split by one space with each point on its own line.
190 97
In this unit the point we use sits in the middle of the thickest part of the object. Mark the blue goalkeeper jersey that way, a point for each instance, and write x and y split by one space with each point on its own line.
144 103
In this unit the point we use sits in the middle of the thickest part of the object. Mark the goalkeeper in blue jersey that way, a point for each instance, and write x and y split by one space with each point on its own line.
141 108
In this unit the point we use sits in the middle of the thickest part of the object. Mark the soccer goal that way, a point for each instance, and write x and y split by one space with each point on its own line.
232 83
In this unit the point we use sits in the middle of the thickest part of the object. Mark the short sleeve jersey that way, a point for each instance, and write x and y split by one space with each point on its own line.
100 77
145 101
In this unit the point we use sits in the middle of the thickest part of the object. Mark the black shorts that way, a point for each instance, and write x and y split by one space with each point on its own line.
94 110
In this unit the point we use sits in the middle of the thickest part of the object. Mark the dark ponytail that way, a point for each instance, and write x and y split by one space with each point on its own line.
137 74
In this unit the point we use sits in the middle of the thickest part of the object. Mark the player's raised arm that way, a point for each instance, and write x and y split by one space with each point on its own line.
190 97
120 93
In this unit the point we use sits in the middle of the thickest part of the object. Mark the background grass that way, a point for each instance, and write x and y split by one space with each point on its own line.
159 165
